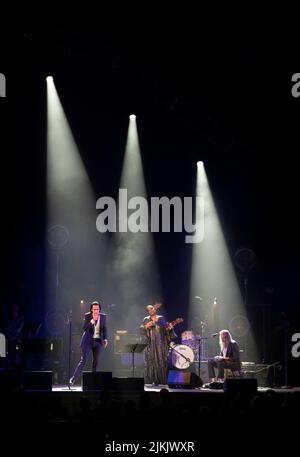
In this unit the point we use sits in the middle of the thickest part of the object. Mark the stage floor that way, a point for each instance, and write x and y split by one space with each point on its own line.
197 390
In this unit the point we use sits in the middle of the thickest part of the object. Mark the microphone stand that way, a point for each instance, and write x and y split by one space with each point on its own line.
285 332
70 346
200 338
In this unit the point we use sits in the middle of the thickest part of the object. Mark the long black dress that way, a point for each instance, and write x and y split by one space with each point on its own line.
158 340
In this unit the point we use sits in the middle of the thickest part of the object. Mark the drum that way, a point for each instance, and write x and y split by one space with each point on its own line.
182 356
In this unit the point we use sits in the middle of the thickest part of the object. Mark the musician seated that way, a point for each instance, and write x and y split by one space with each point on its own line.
229 357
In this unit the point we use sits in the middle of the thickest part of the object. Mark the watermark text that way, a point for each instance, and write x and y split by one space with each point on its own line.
136 215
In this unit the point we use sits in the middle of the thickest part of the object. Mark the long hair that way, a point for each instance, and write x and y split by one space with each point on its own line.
228 337
96 303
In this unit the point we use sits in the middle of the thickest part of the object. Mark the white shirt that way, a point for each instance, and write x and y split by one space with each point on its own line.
96 329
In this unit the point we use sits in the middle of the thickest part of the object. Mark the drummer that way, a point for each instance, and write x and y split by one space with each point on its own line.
188 338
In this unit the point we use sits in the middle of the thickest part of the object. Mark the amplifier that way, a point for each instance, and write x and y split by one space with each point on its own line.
122 338
269 375
248 369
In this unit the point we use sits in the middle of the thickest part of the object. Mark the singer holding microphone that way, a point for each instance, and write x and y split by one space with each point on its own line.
229 357
94 336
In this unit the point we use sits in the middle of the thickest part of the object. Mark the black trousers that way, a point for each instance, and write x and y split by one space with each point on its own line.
95 348
220 365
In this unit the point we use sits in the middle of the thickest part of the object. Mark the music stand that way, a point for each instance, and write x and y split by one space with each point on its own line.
134 348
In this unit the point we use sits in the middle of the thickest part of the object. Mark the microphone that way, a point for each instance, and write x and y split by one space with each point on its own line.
214 334
199 298
69 318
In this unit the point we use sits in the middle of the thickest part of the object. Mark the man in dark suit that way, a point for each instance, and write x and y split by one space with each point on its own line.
94 336
229 357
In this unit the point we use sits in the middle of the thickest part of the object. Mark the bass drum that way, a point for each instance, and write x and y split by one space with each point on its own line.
182 356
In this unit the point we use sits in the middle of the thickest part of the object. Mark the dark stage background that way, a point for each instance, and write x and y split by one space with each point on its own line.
203 94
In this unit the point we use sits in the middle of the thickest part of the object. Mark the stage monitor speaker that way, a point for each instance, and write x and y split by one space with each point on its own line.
96 380
128 384
37 380
9 379
240 385
183 380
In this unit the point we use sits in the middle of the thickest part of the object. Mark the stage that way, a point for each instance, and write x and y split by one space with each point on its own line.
197 390
148 232
73 398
